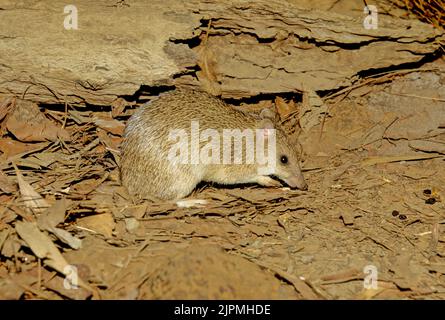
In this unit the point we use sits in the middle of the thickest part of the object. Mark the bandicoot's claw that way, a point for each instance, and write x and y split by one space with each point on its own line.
197 203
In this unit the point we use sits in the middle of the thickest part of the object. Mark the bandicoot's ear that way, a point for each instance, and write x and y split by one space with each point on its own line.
266 123
267 127
268 113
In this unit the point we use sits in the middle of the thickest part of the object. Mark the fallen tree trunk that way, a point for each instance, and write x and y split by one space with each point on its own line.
242 48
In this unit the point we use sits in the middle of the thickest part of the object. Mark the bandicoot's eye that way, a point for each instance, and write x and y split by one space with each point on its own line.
283 159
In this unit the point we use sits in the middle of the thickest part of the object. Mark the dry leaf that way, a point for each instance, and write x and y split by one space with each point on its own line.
66 237
6 184
284 108
3 236
101 223
42 246
28 124
12 147
31 198
136 211
80 117
312 110
54 215
33 147
10 290
112 126
11 246
86 186
45 159
111 142
118 107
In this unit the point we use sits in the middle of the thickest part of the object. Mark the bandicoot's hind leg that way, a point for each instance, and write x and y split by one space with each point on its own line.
178 186
182 187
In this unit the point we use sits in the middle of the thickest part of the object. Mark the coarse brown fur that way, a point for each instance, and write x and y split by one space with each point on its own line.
146 170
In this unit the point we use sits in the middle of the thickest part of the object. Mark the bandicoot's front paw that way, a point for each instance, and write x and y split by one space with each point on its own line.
268 182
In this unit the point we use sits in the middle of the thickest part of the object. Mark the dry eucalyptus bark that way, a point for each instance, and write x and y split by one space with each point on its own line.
116 49
253 47
244 48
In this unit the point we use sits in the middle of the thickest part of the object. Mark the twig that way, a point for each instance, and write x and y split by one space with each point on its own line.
416 96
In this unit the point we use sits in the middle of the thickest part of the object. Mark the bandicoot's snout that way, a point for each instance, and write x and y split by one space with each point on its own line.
297 181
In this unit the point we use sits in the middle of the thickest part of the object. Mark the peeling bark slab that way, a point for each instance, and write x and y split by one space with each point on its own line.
273 46
242 48
115 50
